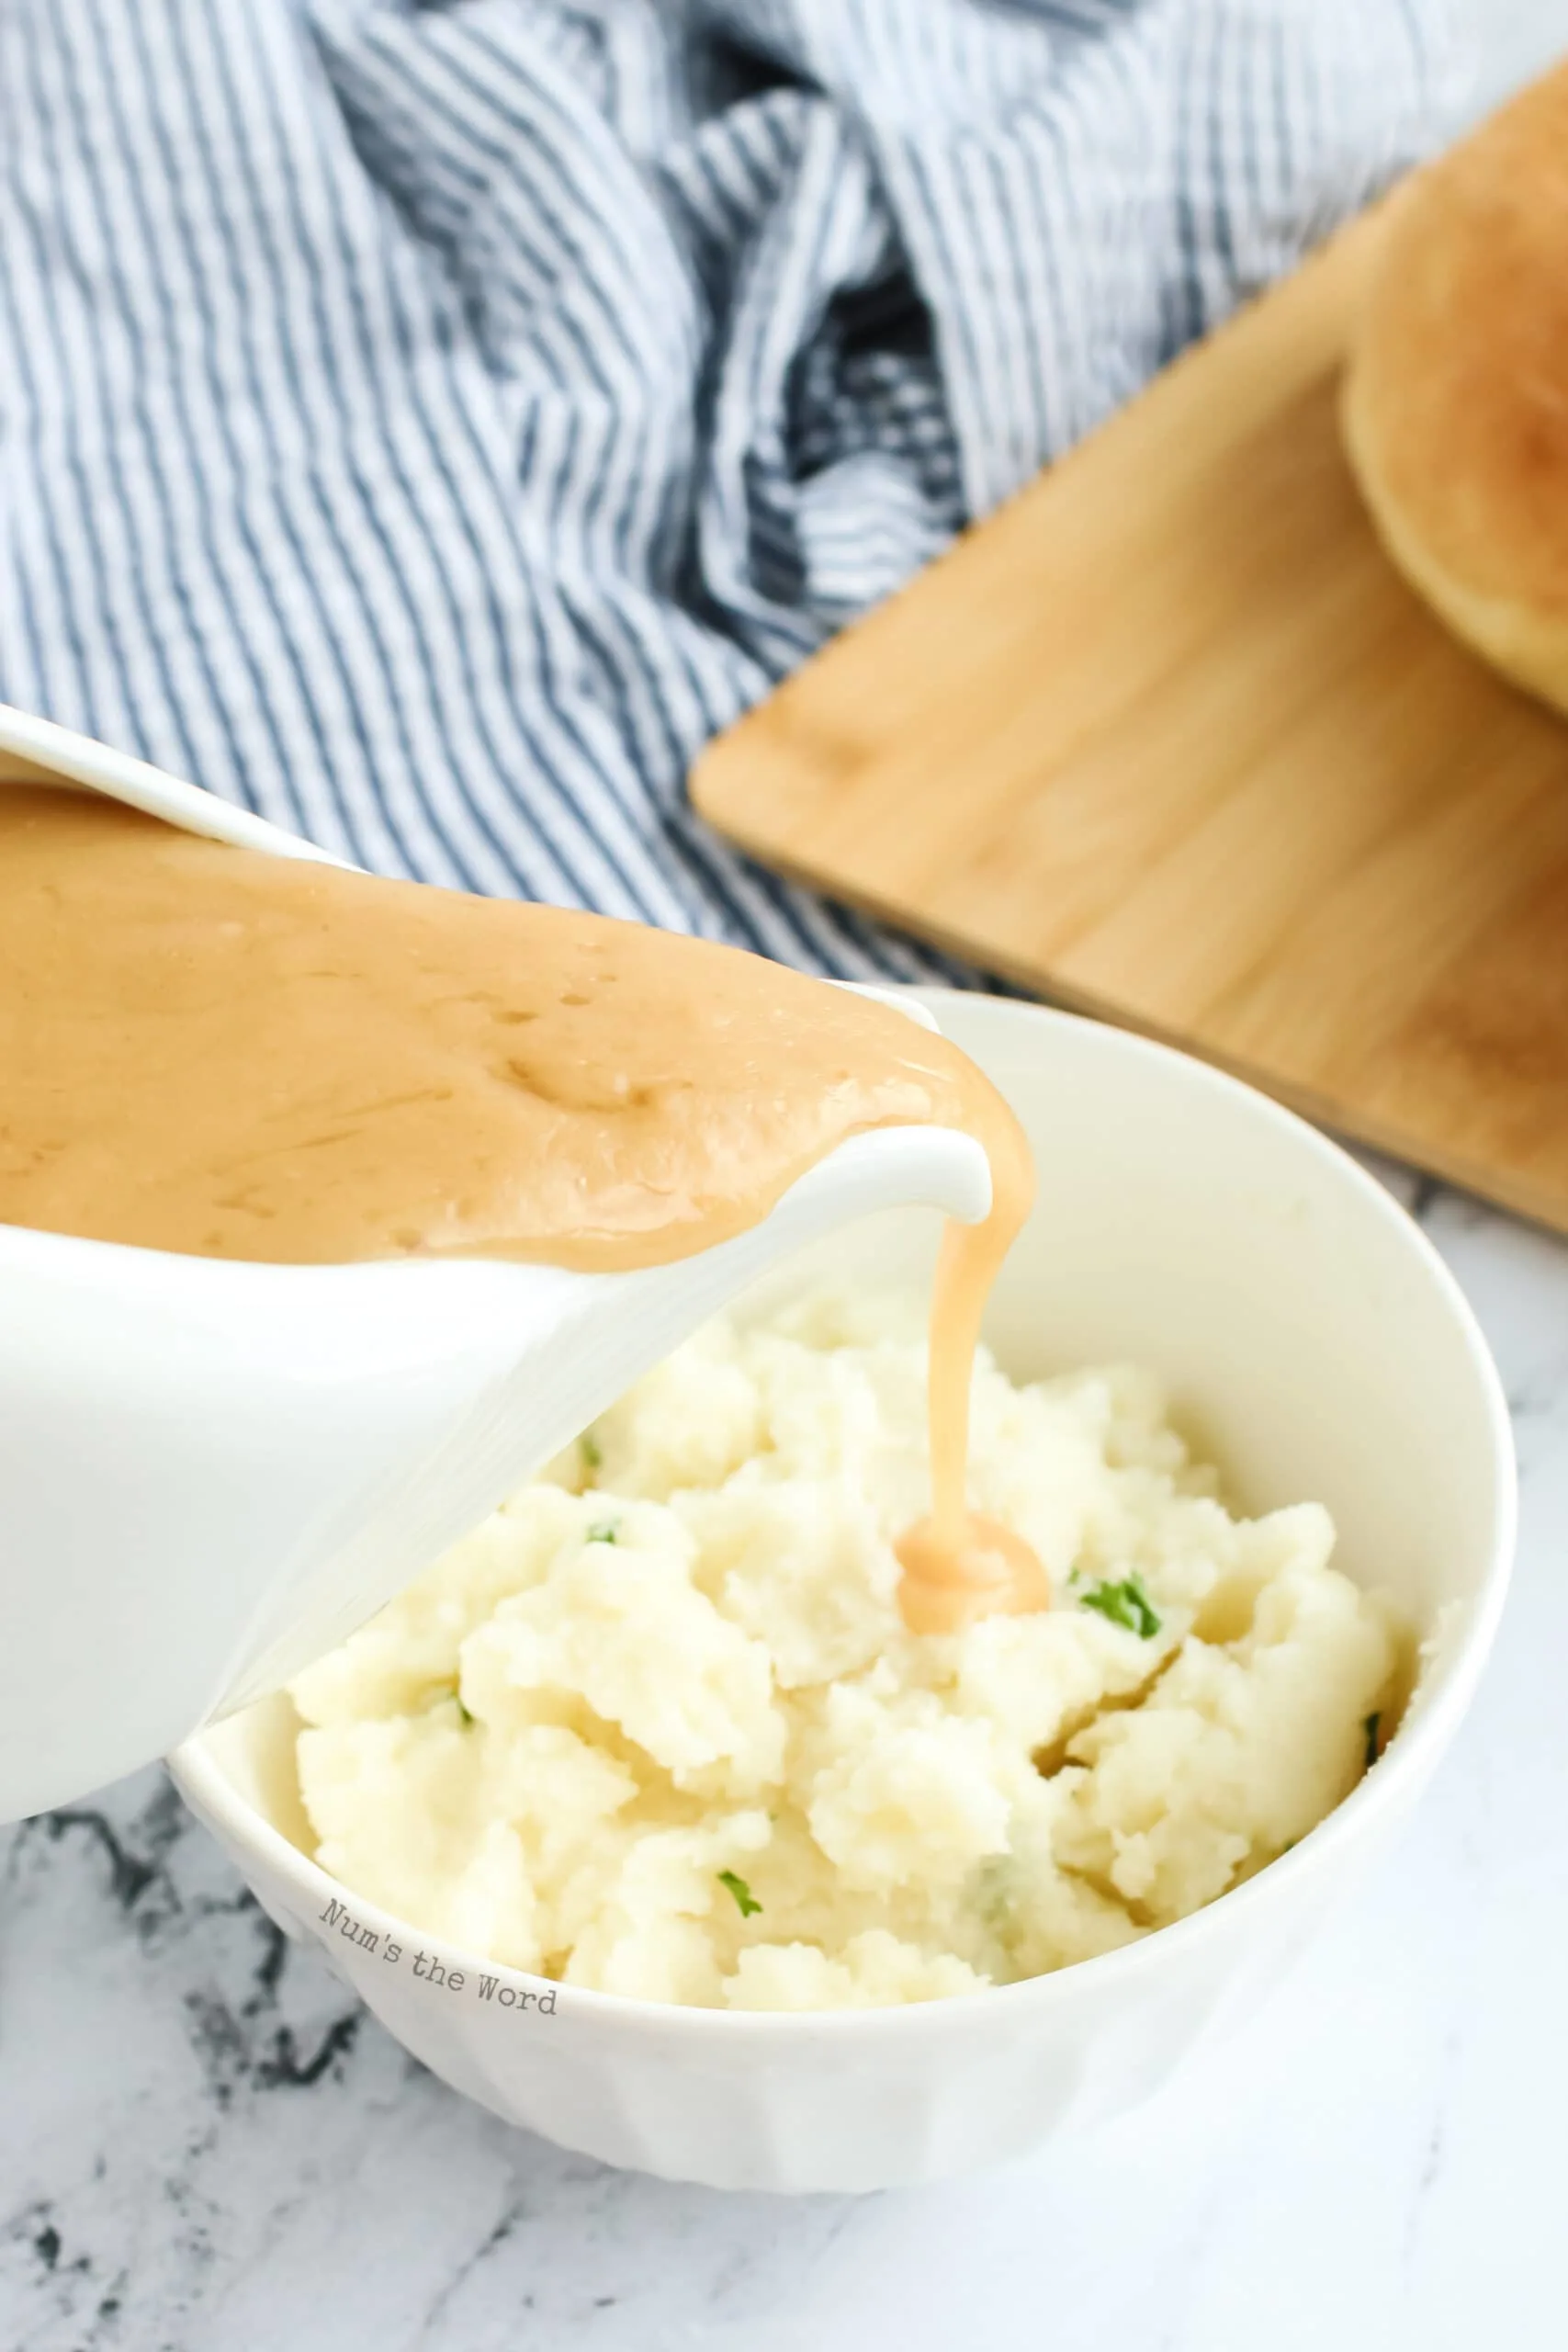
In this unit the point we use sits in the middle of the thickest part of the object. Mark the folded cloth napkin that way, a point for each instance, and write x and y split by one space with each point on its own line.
427 425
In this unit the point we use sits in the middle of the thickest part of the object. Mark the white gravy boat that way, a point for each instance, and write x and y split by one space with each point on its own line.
211 1472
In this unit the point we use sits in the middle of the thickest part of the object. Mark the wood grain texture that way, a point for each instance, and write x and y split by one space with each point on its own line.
1168 740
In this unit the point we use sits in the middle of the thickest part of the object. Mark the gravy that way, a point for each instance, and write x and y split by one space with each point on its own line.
217 1052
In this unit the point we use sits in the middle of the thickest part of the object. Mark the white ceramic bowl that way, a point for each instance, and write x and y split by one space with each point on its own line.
1317 1345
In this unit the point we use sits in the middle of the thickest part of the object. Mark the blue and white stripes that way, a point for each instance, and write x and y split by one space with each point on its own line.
427 425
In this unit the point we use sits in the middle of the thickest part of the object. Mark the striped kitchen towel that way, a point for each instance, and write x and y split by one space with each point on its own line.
427 423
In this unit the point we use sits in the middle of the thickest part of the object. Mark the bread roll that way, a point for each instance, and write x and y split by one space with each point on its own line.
1456 400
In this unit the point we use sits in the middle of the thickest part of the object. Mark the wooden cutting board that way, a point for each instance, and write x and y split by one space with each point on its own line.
1168 740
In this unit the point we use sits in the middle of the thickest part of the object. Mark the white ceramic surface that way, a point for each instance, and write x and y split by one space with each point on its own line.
1317 1342
211 1472
1375 2164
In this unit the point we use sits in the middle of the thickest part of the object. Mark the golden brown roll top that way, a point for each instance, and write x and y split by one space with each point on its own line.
1456 400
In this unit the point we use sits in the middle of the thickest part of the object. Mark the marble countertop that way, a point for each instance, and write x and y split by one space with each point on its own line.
202 2149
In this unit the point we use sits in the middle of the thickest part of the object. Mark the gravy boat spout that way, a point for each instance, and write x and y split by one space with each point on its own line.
211 1472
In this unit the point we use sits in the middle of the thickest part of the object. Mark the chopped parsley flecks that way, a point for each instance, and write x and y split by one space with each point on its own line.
588 1447
604 1530
745 1901
996 1889
1371 1726
1125 1604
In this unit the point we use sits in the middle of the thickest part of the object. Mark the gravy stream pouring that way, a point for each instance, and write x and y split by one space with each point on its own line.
218 1053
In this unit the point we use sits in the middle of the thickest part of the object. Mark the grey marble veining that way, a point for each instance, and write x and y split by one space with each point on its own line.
202 2148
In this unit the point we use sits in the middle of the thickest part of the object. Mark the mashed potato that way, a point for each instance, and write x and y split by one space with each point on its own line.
658 1727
